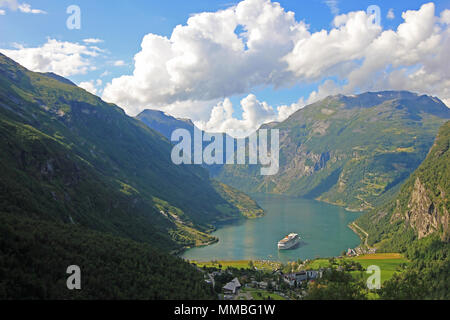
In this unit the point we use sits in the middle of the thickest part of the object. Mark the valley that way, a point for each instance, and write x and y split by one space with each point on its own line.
402 213
81 179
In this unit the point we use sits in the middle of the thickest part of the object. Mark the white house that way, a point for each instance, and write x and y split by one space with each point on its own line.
232 287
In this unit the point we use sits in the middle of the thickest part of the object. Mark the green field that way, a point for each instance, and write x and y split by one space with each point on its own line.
239 264
389 263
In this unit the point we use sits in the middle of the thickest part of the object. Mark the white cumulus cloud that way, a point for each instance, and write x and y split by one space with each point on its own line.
61 57
413 57
325 53
215 55
254 45
88 86
257 44
91 86
254 114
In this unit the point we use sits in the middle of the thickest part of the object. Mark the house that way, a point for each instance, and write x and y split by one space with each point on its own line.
297 277
301 276
232 287
314 274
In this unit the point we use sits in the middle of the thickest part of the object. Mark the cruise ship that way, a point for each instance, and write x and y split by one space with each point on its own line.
289 242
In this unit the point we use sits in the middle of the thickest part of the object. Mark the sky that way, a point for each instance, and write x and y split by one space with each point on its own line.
228 65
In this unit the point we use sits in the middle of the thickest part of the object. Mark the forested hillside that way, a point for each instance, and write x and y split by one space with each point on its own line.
416 223
420 208
35 254
83 184
69 156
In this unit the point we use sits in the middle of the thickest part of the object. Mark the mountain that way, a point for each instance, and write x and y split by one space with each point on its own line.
353 151
164 123
421 207
69 156
415 222
57 77
84 184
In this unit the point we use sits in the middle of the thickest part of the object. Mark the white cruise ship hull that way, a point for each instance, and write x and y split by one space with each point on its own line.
288 245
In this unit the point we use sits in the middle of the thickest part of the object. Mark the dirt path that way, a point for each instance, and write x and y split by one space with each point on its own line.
354 225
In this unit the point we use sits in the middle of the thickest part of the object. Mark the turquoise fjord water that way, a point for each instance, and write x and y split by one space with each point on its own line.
322 227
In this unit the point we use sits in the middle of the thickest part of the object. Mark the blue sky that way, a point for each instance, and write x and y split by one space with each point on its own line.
121 25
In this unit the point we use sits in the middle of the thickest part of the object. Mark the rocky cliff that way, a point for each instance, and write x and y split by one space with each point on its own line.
422 205
423 214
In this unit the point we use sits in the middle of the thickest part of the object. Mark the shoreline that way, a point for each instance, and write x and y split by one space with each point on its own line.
353 226
219 224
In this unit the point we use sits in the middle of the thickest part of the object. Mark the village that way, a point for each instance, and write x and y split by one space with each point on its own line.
269 280
358 251
252 283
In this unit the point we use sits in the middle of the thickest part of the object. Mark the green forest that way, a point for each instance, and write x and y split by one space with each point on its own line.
34 256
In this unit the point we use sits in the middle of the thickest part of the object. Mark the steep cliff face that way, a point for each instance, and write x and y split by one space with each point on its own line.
423 214
427 207
422 206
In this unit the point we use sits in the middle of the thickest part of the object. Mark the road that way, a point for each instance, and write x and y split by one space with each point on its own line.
364 232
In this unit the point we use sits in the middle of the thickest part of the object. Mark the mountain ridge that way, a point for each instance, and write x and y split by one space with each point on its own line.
163 122
352 151
70 195
82 160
